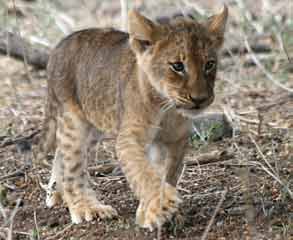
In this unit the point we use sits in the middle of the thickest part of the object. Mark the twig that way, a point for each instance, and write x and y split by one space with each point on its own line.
195 6
181 176
10 231
264 70
248 16
271 171
19 139
11 219
85 5
281 41
261 154
17 232
245 179
285 49
230 115
103 168
196 196
14 211
198 133
124 14
2 235
246 112
2 210
276 164
55 236
208 228
280 101
246 120
22 46
36 224
259 126
274 177
16 173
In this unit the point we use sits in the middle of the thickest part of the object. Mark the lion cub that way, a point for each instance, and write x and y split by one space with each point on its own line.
144 86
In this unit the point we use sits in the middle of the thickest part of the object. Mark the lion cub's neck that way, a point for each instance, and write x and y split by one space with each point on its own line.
148 93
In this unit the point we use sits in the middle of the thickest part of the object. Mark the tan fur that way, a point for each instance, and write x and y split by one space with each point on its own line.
127 85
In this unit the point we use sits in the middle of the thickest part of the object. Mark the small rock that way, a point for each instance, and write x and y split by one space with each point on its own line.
212 126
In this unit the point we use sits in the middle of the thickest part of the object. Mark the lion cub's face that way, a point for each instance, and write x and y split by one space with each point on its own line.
180 59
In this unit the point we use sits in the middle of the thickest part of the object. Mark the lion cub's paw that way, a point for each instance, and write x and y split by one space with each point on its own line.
88 208
53 198
159 208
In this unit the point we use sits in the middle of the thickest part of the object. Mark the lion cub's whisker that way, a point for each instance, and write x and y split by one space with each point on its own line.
183 100
166 107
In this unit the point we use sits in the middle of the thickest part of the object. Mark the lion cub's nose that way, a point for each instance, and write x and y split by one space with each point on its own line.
198 101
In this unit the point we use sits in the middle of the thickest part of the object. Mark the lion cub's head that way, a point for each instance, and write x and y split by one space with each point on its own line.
179 58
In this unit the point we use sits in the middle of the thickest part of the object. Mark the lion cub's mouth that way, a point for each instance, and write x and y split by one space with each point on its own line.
190 113
191 106
191 110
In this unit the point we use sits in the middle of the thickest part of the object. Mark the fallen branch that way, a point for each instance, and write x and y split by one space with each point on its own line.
15 46
207 158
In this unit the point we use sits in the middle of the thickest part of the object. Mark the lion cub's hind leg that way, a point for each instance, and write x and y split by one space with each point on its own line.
54 188
72 132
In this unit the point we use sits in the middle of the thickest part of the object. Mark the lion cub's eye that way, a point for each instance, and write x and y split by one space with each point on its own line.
210 66
177 67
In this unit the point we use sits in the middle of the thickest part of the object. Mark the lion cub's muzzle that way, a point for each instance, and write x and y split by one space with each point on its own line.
201 102
195 103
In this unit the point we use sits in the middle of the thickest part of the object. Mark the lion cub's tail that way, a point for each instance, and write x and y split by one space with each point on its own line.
47 142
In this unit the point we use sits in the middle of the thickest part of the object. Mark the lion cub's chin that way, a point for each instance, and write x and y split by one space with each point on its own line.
190 113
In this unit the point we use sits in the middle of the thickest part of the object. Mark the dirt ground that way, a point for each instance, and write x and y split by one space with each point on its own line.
250 177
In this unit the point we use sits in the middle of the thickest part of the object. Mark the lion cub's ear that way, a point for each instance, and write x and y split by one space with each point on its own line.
142 31
216 26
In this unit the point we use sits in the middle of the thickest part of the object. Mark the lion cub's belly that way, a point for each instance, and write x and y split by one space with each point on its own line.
99 105
104 120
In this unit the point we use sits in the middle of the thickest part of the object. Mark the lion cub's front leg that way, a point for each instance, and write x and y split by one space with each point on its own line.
158 199
81 200
167 160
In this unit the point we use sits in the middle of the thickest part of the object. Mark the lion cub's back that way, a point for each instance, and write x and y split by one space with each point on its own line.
85 68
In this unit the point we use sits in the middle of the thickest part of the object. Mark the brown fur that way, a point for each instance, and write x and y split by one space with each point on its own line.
126 84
